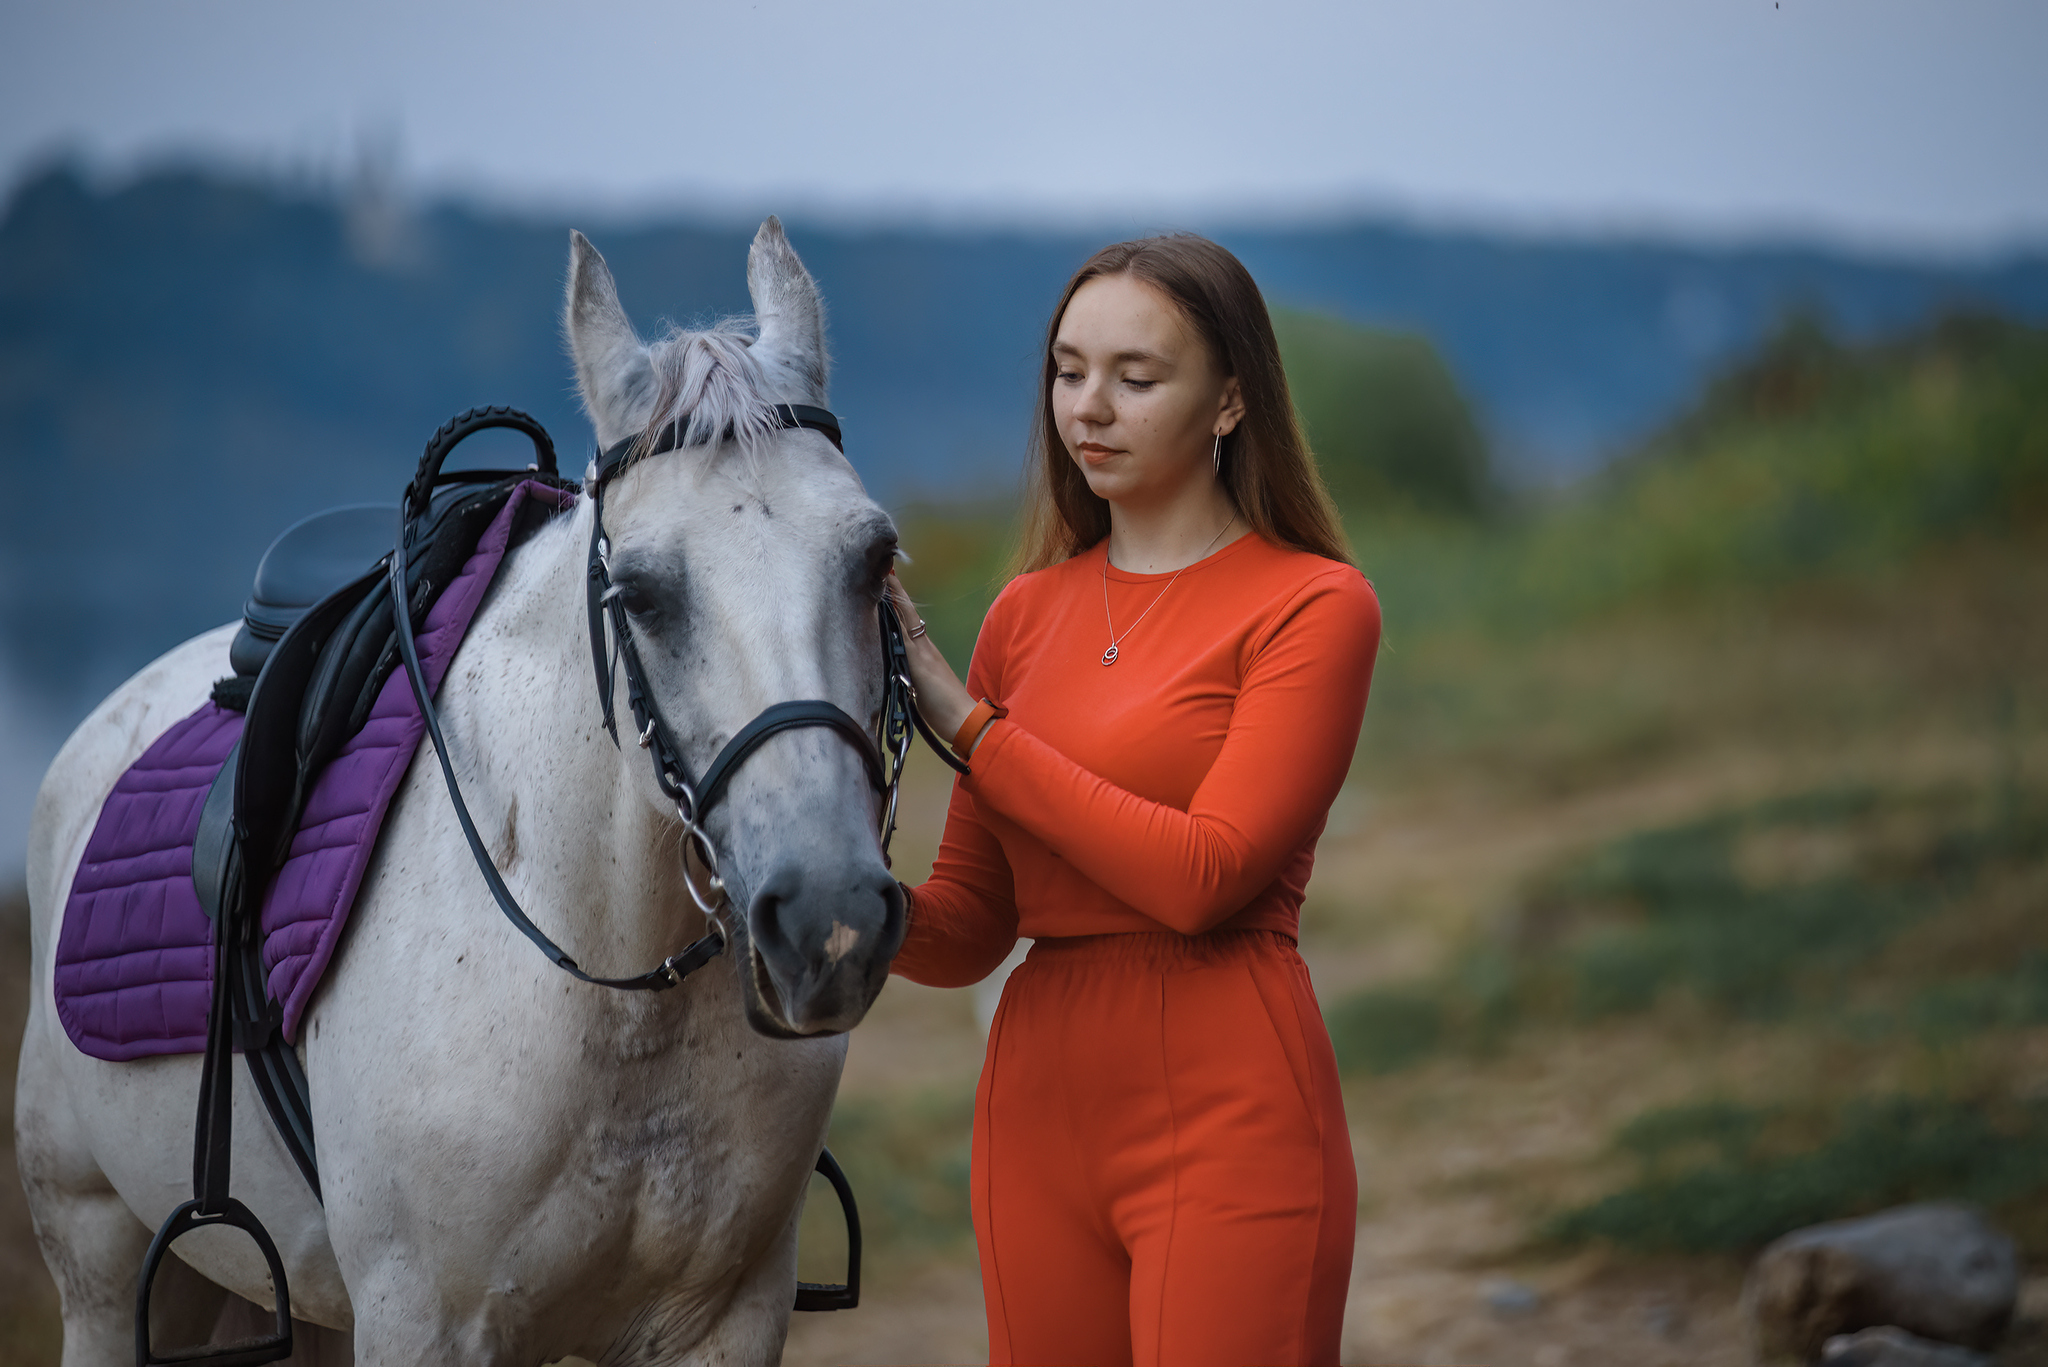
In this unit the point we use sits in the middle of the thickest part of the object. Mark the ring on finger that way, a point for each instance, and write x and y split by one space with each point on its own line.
917 631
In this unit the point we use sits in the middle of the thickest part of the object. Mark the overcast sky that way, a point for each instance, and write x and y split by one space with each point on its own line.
1898 123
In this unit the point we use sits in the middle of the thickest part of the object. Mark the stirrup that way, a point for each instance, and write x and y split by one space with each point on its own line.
248 1353
836 1295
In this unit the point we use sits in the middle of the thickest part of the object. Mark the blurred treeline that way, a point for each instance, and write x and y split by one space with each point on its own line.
1801 634
214 356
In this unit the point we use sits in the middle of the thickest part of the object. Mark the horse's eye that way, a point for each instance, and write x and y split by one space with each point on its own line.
632 597
881 559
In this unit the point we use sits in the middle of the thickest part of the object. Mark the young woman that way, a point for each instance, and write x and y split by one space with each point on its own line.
1160 709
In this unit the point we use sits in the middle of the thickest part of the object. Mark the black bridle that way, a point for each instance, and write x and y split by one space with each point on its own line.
693 798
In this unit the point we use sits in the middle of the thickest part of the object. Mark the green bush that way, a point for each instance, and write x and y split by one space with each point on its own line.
1669 1135
1945 1012
1390 428
1668 910
1812 458
1693 922
1738 1193
1383 1030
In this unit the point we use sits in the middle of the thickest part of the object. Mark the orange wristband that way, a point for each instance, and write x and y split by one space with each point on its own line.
970 730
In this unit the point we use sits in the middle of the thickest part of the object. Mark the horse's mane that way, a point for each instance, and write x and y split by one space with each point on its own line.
710 383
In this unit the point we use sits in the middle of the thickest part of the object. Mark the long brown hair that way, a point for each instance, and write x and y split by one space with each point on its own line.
1267 469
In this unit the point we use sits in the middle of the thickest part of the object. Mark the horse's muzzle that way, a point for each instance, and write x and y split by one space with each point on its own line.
819 944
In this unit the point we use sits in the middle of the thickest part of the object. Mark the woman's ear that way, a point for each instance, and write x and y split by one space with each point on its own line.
1231 413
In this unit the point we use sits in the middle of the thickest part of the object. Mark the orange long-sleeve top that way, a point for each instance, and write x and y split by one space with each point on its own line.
1180 789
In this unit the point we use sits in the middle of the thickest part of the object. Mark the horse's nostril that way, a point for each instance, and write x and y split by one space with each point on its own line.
894 916
768 912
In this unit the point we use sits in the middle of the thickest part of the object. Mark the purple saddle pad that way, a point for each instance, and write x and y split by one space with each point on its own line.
134 973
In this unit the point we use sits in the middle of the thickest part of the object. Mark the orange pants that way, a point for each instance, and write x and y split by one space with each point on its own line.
1162 1170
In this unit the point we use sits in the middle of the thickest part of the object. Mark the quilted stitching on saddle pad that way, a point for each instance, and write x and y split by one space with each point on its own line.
134 963
134 972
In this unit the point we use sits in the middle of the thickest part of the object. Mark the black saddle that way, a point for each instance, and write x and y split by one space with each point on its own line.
341 553
309 560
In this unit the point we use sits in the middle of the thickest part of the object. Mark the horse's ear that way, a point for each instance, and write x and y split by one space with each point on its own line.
613 370
792 317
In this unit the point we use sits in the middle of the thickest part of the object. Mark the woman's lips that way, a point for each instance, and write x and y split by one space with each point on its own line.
1094 454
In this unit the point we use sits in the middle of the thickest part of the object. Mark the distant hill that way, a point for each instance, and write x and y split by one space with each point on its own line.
190 361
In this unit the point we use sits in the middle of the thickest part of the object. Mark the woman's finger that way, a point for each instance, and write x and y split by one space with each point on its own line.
906 611
941 696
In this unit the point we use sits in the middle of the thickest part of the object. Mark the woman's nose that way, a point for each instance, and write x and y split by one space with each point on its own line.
1092 405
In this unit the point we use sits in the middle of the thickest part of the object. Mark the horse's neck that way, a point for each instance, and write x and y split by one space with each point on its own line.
593 861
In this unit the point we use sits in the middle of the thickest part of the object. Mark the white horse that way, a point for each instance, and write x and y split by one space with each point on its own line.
520 1167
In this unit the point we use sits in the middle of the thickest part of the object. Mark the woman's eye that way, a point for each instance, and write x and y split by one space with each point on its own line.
1141 385
1068 376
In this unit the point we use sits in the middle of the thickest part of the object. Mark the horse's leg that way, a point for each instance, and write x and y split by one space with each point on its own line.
91 1241
756 1320
752 1330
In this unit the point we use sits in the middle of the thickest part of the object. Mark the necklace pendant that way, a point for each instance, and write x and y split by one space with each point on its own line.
1109 656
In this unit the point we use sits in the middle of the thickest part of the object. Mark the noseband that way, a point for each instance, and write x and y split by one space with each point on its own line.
693 797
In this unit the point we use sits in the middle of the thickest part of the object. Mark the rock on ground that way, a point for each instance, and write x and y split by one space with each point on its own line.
1940 1271
1892 1347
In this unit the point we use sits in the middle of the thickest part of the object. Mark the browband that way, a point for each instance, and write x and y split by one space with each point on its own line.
789 415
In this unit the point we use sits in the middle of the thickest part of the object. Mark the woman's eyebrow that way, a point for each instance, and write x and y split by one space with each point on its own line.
1127 355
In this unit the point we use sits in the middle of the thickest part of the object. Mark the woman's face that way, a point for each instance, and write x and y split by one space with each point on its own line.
1136 395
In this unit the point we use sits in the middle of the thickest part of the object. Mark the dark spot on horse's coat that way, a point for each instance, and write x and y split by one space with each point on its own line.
511 839
738 507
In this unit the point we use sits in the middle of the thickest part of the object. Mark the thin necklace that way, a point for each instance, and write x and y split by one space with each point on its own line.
1109 656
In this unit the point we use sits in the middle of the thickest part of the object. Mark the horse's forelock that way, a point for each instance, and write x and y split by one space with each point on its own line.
710 382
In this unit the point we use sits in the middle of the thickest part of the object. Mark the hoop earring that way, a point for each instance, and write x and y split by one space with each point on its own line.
1216 455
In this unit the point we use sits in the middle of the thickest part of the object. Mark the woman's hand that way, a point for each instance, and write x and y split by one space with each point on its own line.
941 696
